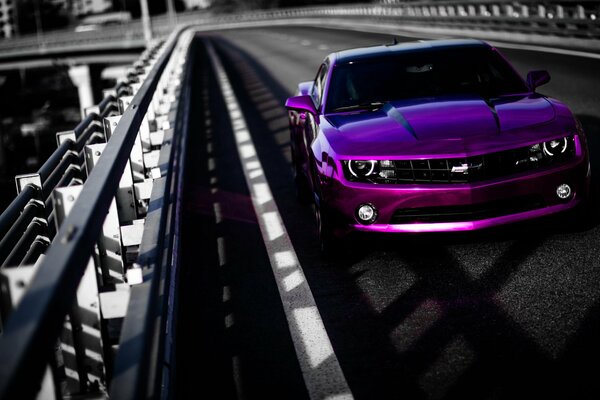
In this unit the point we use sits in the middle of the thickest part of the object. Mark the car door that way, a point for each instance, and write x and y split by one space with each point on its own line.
311 128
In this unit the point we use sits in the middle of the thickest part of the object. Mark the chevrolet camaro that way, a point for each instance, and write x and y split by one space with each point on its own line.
433 136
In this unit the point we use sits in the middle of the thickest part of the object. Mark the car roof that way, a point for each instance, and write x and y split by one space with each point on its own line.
364 53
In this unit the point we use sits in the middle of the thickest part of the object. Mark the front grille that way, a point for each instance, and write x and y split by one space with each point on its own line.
466 170
470 212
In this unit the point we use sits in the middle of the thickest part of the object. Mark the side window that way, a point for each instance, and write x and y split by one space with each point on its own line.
317 89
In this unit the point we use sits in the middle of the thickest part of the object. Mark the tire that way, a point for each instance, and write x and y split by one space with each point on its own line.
330 244
303 194
301 185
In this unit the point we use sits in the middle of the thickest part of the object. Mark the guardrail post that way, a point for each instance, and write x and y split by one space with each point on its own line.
61 137
91 109
541 11
136 158
82 341
495 10
125 197
509 10
144 131
13 283
472 11
483 11
28 179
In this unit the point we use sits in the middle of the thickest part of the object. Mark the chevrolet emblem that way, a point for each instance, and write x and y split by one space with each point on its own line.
464 168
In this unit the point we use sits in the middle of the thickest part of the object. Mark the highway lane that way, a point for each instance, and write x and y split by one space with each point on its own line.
508 313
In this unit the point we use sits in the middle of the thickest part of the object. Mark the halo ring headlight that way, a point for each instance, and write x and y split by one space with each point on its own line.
360 168
555 147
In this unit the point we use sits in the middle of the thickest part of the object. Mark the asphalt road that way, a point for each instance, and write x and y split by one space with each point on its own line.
501 314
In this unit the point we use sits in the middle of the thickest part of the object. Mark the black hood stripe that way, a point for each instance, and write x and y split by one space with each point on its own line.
397 116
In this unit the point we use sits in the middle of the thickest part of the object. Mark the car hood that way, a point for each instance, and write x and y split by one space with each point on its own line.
449 125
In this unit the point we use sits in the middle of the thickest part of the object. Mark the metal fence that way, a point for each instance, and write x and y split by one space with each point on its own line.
90 235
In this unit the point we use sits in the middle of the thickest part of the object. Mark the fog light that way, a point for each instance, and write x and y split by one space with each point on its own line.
367 214
563 191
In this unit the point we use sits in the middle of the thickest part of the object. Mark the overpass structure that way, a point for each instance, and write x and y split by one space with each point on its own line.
93 248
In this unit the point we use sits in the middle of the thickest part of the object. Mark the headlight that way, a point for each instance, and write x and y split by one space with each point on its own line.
362 168
555 147
550 151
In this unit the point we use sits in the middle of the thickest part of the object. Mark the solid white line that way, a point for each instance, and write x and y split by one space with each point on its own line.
250 165
320 367
292 281
262 190
255 174
273 227
320 350
285 259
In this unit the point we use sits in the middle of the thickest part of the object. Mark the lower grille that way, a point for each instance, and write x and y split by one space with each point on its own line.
471 212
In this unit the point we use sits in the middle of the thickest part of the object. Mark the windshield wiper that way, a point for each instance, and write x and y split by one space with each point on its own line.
372 105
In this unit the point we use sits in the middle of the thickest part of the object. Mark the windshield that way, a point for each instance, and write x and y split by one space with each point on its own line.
365 84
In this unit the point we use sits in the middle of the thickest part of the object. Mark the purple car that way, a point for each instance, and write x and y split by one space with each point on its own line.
433 136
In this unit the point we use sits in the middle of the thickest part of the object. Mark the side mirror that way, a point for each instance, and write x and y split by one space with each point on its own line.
537 78
301 103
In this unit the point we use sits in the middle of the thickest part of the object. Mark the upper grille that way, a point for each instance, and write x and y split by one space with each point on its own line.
466 170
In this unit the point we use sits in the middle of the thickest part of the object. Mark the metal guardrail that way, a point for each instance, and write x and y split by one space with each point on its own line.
556 19
151 305
560 18
113 177
121 36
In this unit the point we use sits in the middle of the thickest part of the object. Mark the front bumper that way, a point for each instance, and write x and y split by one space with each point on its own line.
344 197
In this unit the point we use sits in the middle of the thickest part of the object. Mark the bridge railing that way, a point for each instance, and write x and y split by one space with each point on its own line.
91 235
580 19
571 23
564 18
